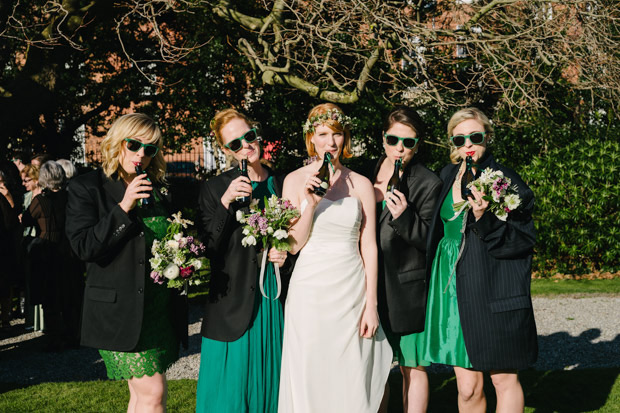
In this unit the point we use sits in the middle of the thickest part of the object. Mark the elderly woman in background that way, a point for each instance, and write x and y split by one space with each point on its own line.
135 323
69 168
49 250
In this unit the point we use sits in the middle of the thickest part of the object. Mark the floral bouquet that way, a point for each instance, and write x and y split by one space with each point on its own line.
497 189
269 226
178 258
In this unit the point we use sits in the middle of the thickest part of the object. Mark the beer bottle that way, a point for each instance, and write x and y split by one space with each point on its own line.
323 176
243 201
468 177
395 179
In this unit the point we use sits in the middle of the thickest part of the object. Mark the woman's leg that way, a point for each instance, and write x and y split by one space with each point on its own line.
470 385
415 389
385 401
133 398
509 391
150 393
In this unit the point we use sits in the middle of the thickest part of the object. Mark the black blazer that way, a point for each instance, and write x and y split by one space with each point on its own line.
234 268
493 279
112 244
402 285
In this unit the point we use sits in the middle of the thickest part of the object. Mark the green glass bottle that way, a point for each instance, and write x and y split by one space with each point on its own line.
321 190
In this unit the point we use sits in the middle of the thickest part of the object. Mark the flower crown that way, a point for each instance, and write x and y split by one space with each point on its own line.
332 114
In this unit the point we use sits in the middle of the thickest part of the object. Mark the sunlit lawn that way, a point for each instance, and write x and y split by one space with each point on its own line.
581 390
588 390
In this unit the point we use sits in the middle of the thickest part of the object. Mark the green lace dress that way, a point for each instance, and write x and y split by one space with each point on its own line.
158 346
407 348
243 376
444 342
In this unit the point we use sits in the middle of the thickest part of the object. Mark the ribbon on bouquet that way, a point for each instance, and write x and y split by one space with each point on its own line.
261 279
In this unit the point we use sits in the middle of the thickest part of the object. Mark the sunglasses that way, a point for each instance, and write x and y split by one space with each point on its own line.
134 146
235 145
476 138
392 140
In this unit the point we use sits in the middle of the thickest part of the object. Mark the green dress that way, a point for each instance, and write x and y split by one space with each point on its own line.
444 342
158 346
244 375
407 348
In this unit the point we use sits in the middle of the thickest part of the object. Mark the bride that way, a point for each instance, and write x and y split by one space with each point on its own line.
335 356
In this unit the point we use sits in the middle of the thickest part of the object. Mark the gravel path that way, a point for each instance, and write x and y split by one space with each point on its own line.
573 332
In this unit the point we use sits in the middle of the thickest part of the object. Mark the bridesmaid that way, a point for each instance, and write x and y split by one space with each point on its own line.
479 315
135 323
403 221
241 329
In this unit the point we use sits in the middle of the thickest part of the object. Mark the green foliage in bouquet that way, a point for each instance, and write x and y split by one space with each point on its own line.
577 188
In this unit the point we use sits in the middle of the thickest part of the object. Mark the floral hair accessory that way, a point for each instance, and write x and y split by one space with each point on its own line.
333 115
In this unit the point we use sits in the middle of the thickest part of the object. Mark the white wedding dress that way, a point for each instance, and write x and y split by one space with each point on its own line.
326 365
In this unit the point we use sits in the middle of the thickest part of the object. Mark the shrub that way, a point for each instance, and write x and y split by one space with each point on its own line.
577 189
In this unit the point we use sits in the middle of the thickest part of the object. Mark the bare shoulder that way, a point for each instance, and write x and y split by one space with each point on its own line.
360 184
298 175
294 184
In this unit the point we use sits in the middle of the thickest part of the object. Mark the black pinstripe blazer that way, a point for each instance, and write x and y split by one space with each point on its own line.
493 279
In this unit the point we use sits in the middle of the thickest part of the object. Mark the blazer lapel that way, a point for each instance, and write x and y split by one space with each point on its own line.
113 186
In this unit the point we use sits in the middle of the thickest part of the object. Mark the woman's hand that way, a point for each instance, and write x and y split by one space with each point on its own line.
239 187
137 189
396 203
277 257
369 322
312 182
478 205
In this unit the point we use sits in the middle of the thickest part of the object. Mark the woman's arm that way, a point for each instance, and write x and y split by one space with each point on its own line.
413 224
368 249
92 236
300 230
514 237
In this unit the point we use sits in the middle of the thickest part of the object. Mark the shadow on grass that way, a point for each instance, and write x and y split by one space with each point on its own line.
584 390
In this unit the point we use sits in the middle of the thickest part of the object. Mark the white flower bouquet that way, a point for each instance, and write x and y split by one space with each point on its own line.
498 191
268 226
178 258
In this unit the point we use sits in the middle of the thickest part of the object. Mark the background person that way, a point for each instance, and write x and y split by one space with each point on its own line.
479 315
48 252
135 323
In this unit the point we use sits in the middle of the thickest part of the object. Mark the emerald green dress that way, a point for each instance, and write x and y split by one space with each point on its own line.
444 342
407 348
158 346
244 375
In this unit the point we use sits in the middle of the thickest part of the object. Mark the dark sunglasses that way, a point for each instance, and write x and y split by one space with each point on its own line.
235 145
476 138
408 143
134 146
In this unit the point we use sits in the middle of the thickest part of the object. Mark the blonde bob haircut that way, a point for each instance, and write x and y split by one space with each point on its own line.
222 118
463 115
31 171
131 126
334 125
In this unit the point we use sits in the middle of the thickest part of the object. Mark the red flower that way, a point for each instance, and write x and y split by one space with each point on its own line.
186 272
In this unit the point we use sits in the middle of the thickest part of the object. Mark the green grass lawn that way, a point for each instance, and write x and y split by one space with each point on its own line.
585 390
550 287
588 390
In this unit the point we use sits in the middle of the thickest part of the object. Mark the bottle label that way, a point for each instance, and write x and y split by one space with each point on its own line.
324 185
